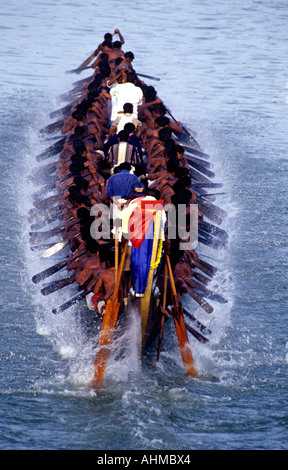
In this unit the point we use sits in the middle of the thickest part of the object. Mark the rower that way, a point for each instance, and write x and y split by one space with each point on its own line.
125 116
133 139
105 46
120 184
123 152
126 92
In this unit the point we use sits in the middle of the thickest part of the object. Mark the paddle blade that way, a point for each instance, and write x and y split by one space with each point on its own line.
106 335
184 344
54 249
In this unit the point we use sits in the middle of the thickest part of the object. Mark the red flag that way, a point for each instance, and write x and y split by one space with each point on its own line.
140 220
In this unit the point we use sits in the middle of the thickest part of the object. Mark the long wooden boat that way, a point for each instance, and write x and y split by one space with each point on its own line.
112 262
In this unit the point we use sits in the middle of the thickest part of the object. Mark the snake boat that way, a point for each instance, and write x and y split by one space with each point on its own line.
116 270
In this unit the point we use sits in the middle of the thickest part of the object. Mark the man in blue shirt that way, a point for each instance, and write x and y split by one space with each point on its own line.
120 185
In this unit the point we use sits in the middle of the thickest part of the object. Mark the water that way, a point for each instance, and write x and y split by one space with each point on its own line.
226 65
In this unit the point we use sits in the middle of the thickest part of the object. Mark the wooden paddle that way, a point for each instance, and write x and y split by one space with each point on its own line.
208 293
184 129
48 201
48 272
57 285
207 307
73 300
208 240
198 324
194 150
37 215
116 254
205 269
202 169
148 76
180 327
64 111
196 334
108 325
82 66
52 150
206 184
163 309
53 127
200 161
213 229
36 237
44 222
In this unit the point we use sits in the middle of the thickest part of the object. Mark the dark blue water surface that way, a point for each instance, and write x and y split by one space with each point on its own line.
223 69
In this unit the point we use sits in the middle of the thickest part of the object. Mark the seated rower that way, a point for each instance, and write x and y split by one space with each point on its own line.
125 91
120 184
105 46
125 116
123 152
133 139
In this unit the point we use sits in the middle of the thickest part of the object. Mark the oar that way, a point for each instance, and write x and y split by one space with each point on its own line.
44 222
42 236
76 298
180 326
62 111
183 128
49 201
194 150
41 247
83 80
148 76
45 190
197 323
51 128
202 169
208 184
207 307
212 229
54 149
209 240
48 180
36 215
207 268
198 176
54 249
48 272
108 325
116 254
74 97
212 207
196 334
210 294
203 279
200 161
212 195
81 67
77 89
210 214
54 286
163 311
44 170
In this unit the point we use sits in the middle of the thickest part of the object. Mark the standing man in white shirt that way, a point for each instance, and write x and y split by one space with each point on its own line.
126 92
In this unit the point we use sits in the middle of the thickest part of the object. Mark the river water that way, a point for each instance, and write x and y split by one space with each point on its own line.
223 70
